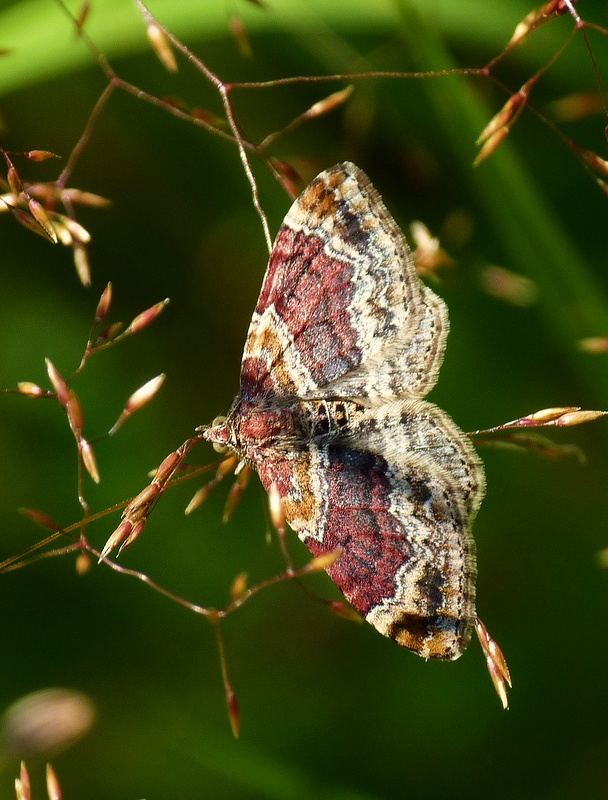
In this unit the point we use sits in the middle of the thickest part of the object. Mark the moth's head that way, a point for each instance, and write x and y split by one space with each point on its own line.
219 433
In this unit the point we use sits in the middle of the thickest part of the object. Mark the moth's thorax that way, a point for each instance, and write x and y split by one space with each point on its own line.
255 430
259 428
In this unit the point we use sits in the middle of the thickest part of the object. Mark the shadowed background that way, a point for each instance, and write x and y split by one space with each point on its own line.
329 709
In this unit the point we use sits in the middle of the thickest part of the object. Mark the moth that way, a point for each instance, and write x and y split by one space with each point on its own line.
344 344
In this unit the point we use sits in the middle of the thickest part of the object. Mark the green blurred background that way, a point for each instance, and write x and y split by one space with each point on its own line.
329 709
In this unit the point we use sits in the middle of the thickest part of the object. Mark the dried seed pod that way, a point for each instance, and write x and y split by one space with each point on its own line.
53 789
40 518
491 144
594 344
59 385
495 661
239 32
14 181
40 155
579 417
329 103
85 198
597 164
233 711
23 787
324 561
89 460
25 219
167 468
103 306
143 319
75 413
208 117
199 497
508 286
42 218
138 399
118 536
81 262
546 415
161 46
236 491
144 394
239 586
344 610
79 233
290 177
277 512
143 500
31 389
502 117
83 563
